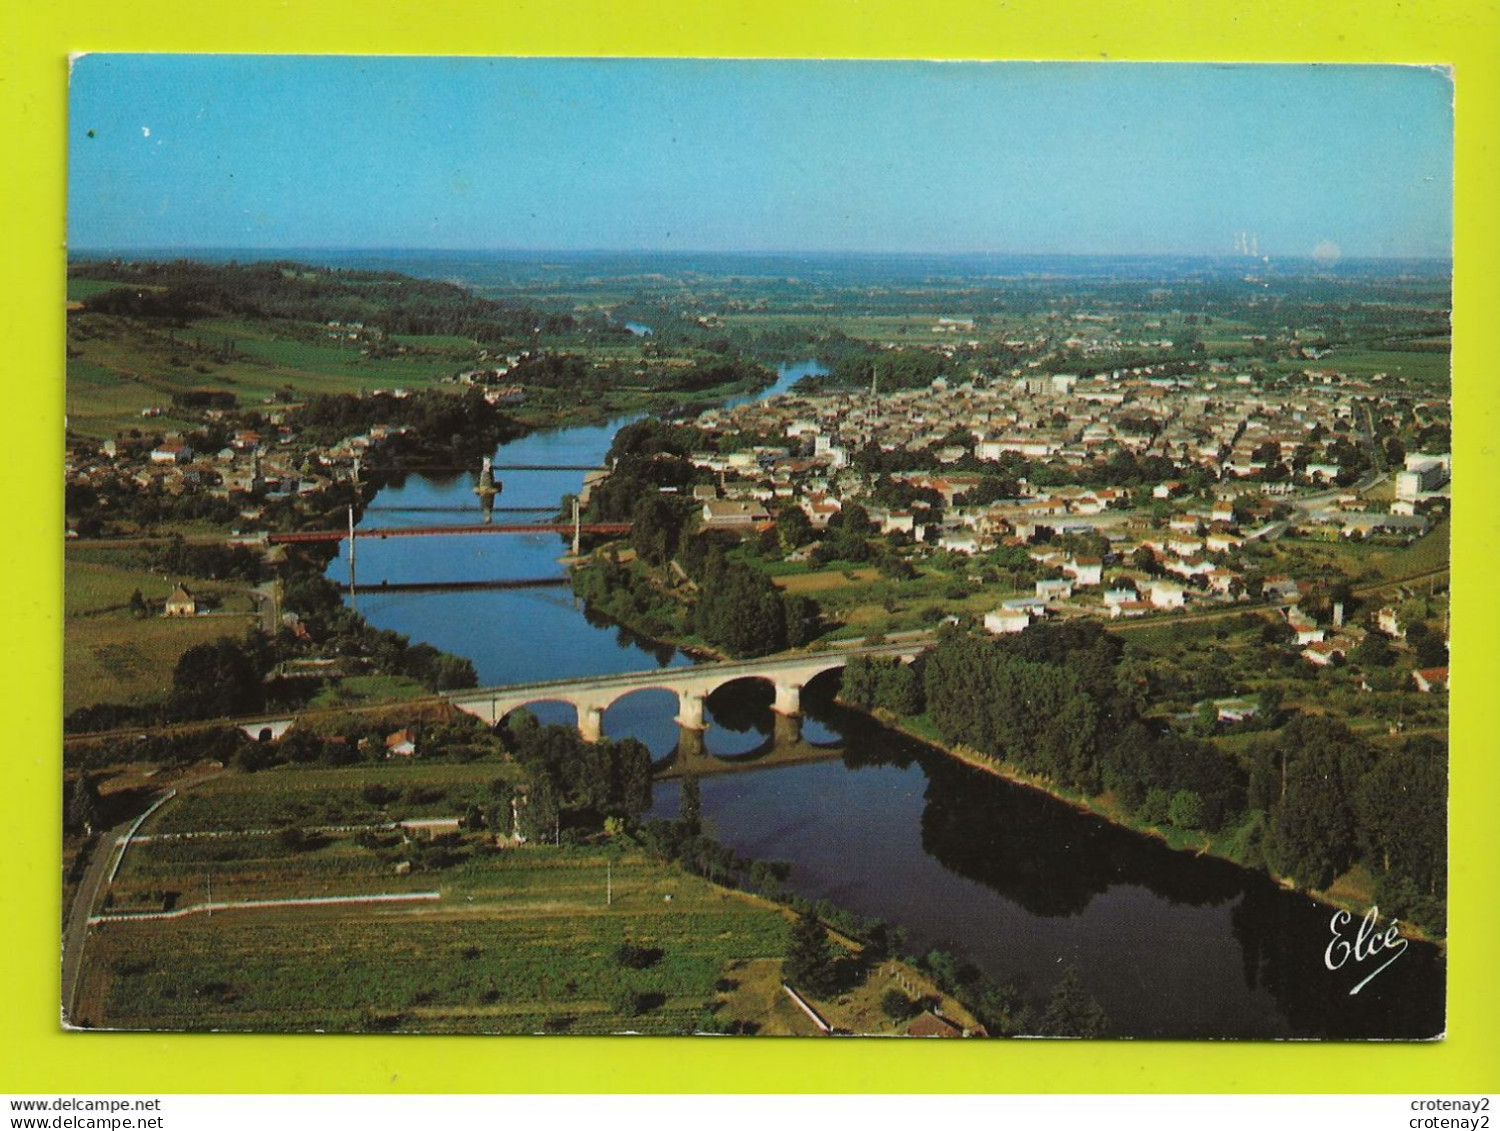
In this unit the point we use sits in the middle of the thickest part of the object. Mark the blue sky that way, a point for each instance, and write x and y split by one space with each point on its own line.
367 152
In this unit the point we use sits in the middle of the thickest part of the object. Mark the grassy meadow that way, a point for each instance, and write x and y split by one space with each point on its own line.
109 655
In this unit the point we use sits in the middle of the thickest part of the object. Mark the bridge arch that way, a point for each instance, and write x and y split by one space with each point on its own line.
825 677
552 710
646 714
741 709
268 730
608 699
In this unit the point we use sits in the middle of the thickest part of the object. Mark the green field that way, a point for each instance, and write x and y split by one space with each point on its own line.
80 289
521 941
121 660
117 367
359 689
331 796
112 657
98 581
1367 562
1431 368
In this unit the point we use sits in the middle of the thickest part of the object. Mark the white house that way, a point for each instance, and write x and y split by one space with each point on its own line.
1054 589
1085 570
1167 595
1388 620
1003 621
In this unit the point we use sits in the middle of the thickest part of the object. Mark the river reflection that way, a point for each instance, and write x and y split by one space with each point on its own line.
1023 885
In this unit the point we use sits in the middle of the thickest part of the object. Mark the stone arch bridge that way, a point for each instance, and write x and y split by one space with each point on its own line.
591 696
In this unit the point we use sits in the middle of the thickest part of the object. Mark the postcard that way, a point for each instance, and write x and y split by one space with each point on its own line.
763 548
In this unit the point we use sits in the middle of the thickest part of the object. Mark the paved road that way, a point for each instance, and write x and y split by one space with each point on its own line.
91 890
75 930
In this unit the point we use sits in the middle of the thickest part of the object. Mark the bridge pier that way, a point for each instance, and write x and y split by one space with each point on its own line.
690 711
788 698
591 723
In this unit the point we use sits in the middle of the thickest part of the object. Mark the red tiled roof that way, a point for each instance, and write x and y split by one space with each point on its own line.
929 1024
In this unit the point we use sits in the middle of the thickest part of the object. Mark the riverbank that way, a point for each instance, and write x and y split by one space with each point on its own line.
1346 894
1238 843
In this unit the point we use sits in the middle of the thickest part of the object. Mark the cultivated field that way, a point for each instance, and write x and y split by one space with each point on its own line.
304 797
111 656
521 941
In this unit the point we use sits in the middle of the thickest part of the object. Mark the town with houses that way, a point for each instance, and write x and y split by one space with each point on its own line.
1218 428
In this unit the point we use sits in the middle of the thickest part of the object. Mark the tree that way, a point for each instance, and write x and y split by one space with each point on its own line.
1402 810
793 528
802 616
897 1006
81 813
1186 810
656 528
900 690
631 763
810 964
1072 1011
1156 808
137 605
1430 650
1315 827
538 814
216 679
1374 651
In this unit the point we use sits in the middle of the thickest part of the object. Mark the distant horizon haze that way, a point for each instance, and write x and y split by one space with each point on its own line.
288 251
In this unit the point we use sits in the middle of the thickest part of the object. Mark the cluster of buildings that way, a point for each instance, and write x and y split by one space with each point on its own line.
1158 547
265 463
1219 422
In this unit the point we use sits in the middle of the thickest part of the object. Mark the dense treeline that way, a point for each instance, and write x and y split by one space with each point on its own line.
181 291
1308 800
1323 799
179 558
94 512
648 458
739 608
881 683
1046 699
892 369
574 373
575 782
439 425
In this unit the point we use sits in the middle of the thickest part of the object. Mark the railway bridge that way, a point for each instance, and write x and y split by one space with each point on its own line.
591 696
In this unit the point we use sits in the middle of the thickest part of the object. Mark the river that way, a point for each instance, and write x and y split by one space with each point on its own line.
1010 879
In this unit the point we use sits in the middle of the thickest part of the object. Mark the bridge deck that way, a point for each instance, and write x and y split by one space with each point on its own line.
465 528
717 670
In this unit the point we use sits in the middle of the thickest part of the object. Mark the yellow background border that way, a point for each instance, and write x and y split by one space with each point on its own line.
36 1057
